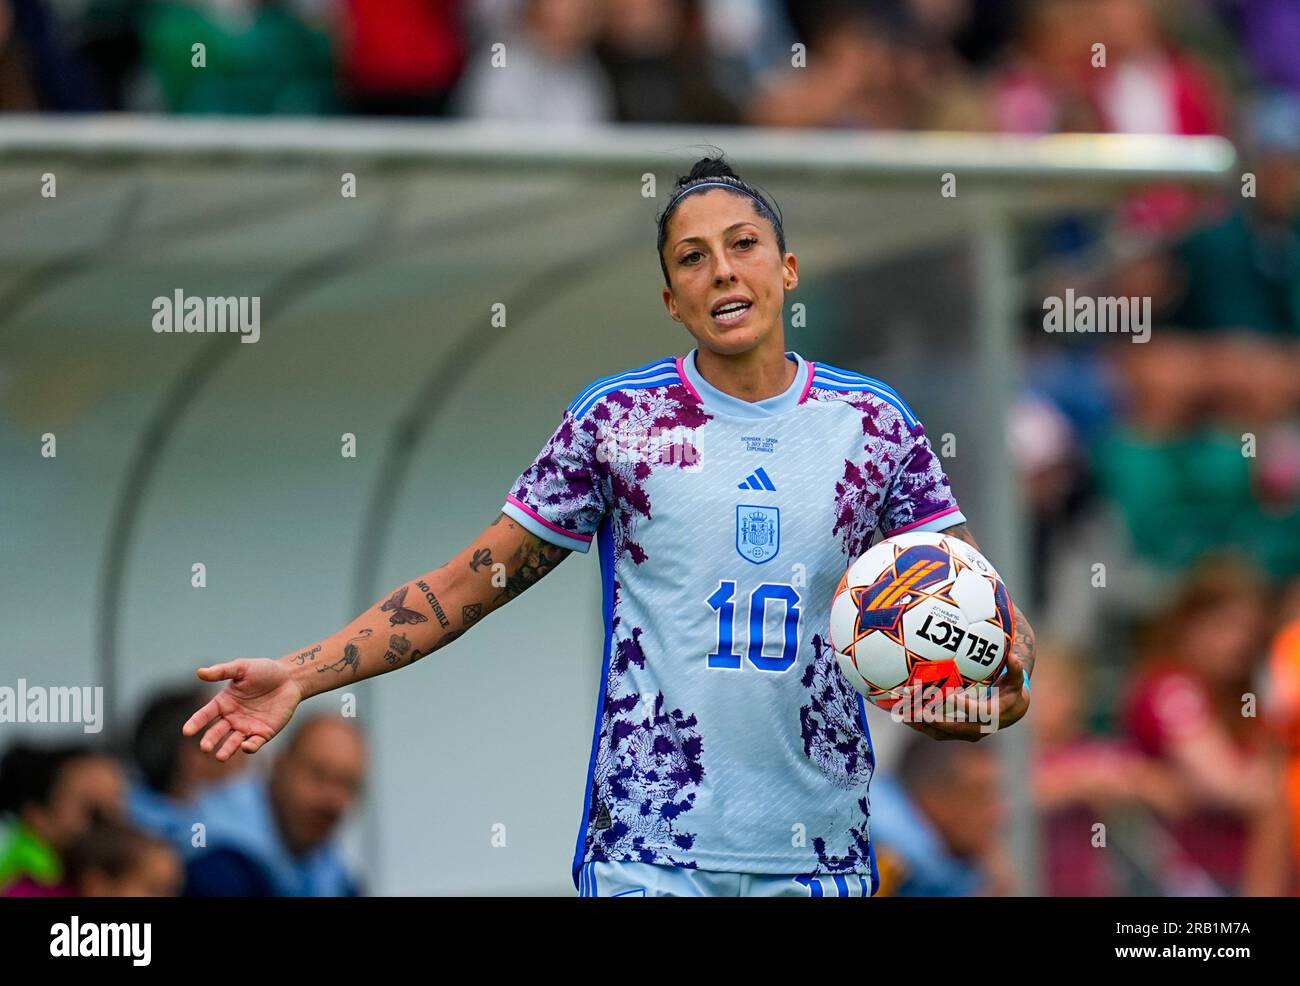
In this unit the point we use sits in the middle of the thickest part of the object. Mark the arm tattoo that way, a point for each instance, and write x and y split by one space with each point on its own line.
1025 640
307 655
351 655
438 644
398 646
397 603
482 556
962 533
433 602
535 558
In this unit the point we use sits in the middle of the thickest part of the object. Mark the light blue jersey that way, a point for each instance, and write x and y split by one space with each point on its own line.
623 879
726 738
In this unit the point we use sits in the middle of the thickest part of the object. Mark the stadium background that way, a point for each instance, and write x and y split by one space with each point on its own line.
526 191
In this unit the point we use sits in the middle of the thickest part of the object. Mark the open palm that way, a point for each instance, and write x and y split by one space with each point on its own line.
255 706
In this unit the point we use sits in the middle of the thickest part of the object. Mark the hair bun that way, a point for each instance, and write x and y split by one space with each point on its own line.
708 167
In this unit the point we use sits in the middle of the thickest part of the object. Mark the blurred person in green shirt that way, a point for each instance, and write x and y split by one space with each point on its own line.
1243 272
49 799
257 58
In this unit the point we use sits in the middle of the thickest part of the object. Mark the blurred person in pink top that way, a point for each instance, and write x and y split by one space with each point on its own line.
1080 780
1193 707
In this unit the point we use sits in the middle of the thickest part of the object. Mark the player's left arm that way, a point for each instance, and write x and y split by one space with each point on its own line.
1011 690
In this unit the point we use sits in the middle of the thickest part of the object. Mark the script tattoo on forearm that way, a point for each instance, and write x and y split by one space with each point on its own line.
535 559
351 655
433 602
307 655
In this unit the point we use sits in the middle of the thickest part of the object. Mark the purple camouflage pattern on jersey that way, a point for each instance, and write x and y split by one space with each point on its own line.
648 767
857 857
668 412
835 740
833 737
581 473
649 762
898 467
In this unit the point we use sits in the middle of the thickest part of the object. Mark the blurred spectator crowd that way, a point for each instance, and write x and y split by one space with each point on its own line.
1162 477
150 814
993 65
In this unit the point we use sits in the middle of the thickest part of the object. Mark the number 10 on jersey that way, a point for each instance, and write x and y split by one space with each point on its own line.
723 602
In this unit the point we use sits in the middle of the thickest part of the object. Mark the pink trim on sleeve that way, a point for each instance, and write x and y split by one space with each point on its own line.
511 498
924 520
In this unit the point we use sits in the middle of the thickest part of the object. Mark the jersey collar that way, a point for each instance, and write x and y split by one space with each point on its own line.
716 400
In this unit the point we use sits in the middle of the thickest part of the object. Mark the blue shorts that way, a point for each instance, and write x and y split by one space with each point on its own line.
602 879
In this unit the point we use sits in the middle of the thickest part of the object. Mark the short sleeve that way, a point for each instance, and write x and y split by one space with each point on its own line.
560 496
920 497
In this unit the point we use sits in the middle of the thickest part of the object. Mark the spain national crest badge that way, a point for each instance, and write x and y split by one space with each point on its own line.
758 532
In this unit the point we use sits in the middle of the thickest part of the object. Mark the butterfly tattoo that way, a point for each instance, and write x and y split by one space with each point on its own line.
400 613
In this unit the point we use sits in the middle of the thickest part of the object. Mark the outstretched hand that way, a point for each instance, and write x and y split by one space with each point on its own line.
258 702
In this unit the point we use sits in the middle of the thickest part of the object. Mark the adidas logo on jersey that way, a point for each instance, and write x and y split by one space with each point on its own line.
757 480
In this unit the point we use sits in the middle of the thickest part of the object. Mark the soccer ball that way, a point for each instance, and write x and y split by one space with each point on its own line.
920 611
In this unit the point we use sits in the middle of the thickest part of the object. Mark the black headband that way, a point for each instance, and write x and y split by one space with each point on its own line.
731 184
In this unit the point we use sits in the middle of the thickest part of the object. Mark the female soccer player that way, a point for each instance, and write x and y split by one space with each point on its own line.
727 491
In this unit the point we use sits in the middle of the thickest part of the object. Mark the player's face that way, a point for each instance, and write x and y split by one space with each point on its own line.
719 253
